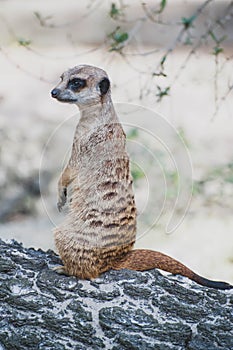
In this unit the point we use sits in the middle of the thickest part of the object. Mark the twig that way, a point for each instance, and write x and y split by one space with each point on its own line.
16 65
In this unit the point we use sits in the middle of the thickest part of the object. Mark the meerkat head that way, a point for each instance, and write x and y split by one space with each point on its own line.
83 85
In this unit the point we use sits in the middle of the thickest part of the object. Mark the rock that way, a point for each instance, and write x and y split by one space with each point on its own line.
40 309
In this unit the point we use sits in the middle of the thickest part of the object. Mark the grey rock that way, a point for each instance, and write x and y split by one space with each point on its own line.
120 310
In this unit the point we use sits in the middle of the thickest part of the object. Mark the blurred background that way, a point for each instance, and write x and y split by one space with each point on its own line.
172 61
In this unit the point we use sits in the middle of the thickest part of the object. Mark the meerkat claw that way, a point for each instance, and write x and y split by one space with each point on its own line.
60 269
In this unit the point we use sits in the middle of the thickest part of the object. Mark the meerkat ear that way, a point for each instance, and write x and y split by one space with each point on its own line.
104 85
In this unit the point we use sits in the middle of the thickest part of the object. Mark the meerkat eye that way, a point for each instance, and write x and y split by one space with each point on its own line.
76 84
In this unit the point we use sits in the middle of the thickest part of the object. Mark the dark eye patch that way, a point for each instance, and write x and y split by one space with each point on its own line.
76 84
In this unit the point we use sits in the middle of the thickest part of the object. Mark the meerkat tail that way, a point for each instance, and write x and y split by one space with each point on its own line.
143 259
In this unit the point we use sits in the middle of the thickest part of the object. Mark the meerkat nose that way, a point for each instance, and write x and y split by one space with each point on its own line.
55 92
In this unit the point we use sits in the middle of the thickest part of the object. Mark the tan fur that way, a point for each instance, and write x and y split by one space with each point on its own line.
100 229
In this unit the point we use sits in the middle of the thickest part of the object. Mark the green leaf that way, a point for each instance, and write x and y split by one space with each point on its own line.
215 39
120 37
163 60
162 92
114 12
42 19
217 50
163 5
23 42
213 36
188 21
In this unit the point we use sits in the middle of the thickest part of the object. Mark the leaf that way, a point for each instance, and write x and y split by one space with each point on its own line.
162 92
188 21
213 36
42 19
163 5
163 60
215 39
114 12
23 42
217 50
120 37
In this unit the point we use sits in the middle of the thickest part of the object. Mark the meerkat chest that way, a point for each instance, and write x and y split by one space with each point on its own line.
97 147
103 168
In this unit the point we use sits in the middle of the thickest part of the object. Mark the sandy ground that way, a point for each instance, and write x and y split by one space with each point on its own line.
204 241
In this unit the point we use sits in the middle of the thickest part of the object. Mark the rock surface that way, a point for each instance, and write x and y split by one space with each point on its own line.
40 309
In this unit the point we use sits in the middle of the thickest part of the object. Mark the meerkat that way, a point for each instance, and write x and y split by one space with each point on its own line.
99 231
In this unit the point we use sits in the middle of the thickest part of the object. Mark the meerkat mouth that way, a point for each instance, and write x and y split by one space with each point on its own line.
67 100
63 96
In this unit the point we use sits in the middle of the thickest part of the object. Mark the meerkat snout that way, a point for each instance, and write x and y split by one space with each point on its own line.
83 85
55 92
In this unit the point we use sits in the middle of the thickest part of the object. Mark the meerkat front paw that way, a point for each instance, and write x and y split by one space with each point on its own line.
62 195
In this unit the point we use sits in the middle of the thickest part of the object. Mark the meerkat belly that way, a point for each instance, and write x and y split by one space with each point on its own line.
104 205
